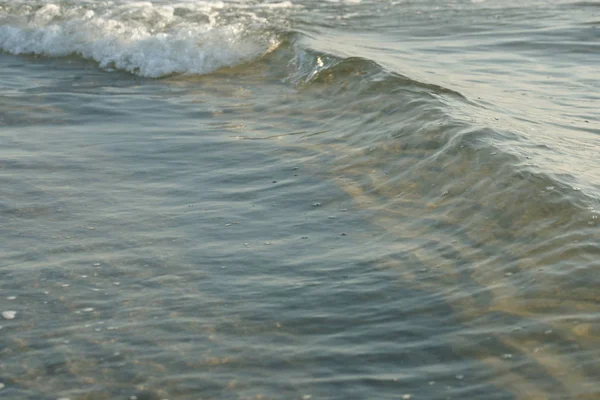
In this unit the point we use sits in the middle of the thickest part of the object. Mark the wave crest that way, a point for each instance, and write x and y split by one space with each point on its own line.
141 38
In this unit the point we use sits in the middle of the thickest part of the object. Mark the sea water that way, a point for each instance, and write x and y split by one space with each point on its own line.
303 199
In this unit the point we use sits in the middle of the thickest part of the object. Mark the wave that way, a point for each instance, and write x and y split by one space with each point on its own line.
154 40
426 161
142 38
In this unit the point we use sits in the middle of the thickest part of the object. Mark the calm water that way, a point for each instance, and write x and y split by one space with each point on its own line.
299 200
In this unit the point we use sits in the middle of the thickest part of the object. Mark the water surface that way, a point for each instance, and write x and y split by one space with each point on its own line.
295 200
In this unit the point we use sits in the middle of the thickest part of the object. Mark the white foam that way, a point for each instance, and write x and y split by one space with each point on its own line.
142 38
349 2
9 314
283 4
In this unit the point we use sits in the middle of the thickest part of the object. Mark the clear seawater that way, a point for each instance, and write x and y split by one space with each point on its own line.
303 199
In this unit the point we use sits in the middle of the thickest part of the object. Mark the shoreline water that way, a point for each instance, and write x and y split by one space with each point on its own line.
306 222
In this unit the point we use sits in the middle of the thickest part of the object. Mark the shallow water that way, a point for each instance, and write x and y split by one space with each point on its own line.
326 200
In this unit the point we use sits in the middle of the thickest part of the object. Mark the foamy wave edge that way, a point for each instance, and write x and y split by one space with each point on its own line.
161 47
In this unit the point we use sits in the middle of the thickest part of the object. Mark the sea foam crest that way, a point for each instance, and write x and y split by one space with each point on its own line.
142 38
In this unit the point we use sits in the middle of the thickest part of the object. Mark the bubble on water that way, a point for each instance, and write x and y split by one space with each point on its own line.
460 377
11 297
88 309
431 383
96 264
306 397
116 283
2 385
507 356
316 204
65 285
406 397
9 314
549 331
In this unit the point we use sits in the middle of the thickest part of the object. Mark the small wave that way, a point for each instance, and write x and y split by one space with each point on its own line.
316 68
141 38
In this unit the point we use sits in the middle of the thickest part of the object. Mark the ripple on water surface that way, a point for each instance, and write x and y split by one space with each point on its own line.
301 226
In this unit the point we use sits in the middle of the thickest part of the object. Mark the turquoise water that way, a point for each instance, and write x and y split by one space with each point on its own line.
299 200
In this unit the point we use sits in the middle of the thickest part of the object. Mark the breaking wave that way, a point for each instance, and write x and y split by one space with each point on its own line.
142 38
